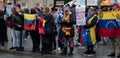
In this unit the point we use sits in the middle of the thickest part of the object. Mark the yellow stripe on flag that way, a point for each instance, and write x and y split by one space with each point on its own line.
108 16
44 21
93 35
92 32
29 16
117 14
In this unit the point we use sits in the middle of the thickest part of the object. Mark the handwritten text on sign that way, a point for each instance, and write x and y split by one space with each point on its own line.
80 15
92 2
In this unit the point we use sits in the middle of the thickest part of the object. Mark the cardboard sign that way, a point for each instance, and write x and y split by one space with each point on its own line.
92 2
80 15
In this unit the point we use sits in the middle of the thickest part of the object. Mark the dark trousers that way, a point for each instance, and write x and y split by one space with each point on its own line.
90 48
35 39
54 42
47 43
60 38
3 35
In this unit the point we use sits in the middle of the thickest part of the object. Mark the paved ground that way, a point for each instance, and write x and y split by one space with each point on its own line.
102 51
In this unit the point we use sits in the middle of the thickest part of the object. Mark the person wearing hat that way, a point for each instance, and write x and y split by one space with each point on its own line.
91 22
115 7
114 41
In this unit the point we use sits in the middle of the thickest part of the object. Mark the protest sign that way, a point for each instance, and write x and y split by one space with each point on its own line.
80 15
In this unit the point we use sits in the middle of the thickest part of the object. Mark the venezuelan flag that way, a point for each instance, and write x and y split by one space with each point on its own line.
85 39
108 25
29 21
88 36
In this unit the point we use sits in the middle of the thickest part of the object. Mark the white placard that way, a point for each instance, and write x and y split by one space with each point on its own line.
92 2
80 15
112 1
118 1
80 2
59 2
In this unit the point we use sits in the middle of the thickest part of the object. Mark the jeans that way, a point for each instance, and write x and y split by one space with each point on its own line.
20 38
13 37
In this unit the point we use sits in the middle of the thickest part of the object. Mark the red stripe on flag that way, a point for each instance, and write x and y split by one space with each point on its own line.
72 43
29 27
109 32
81 39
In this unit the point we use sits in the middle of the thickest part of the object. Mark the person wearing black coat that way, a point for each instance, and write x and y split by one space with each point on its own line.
35 36
50 31
18 25
67 32
3 29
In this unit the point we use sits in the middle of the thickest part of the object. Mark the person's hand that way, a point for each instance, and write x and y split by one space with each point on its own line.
70 12
19 26
68 20
82 25
63 19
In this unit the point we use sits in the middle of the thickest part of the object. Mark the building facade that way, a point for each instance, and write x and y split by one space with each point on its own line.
41 3
35 3
38 3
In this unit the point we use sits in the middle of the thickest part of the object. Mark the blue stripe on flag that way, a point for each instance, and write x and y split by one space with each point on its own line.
107 24
30 21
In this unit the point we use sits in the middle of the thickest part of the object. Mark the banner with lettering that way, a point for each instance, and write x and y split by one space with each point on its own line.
92 2
80 15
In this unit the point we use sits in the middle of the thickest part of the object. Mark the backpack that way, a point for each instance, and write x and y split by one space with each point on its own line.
41 26
49 24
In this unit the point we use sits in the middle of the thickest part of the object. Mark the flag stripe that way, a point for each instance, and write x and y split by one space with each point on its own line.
93 35
30 21
86 37
29 26
29 16
107 24
107 32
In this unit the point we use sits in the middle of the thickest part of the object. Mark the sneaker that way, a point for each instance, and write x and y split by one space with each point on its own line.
63 53
21 49
118 55
111 55
12 48
35 51
86 52
92 52
58 49
70 54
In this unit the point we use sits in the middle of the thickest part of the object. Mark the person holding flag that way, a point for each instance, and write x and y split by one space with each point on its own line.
113 40
88 37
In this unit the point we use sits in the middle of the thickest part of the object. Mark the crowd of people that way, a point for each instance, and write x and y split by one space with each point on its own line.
50 23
